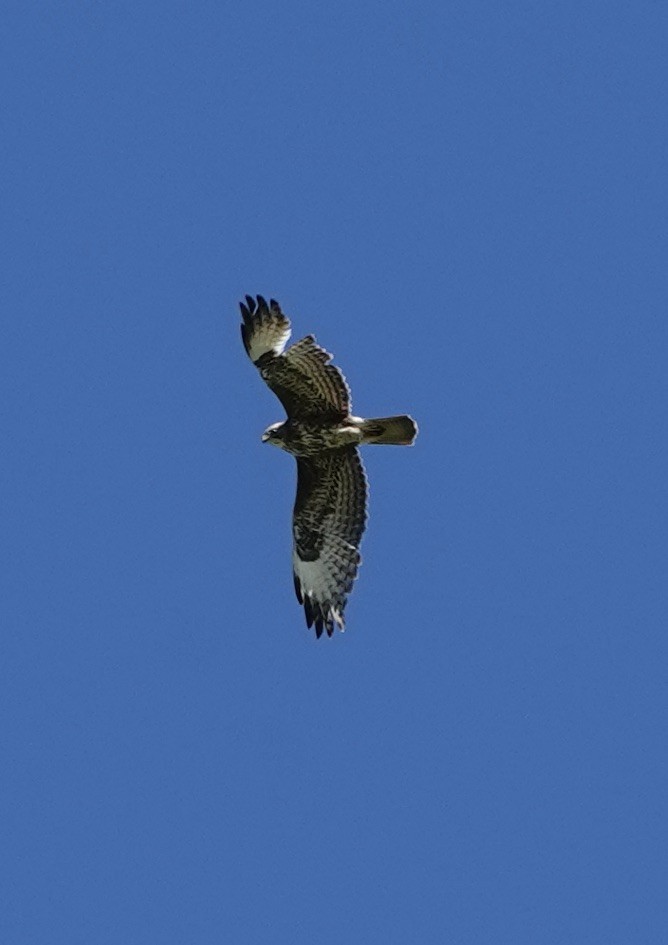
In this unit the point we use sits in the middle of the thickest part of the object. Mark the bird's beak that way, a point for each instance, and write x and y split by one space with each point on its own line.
265 437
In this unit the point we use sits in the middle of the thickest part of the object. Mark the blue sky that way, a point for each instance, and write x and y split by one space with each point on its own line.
466 203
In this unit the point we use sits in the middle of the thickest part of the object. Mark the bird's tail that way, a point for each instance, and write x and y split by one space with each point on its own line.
398 431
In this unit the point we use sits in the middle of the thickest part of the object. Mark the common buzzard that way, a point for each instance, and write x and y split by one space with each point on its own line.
330 508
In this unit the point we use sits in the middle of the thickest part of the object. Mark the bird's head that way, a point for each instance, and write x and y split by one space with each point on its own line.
274 434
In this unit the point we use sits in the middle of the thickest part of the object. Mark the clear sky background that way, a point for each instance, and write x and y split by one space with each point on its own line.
466 203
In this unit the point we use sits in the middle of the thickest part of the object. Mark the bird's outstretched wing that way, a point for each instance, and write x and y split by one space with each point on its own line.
329 519
302 378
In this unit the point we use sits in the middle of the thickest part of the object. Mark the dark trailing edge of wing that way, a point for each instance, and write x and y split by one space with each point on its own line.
314 613
246 313
314 616
298 590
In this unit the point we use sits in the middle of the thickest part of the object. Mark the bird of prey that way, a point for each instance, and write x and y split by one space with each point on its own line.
330 508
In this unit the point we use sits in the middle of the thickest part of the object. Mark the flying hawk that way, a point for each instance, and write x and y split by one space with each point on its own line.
330 508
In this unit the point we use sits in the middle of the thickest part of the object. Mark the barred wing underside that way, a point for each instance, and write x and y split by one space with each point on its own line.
302 378
329 519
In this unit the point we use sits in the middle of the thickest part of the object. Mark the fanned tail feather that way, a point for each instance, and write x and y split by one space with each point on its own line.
395 431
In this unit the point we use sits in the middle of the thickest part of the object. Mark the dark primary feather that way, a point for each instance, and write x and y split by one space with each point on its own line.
302 377
329 519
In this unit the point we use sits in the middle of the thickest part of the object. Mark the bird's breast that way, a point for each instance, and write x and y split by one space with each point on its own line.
309 439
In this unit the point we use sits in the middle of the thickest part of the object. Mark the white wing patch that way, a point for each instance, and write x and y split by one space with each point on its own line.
318 584
265 338
265 329
320 581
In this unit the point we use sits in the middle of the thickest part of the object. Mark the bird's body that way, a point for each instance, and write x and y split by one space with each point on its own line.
304 438
330 508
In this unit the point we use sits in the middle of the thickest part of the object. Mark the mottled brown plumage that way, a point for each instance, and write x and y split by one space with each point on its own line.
330 507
